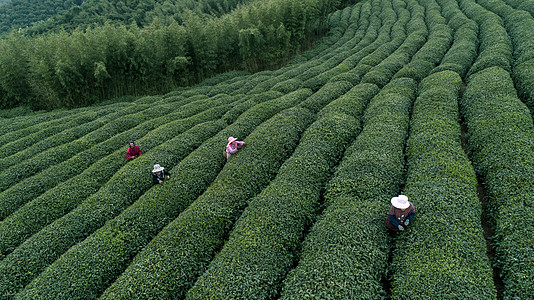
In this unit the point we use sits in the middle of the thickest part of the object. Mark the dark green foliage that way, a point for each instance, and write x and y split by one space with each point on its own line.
287 86
83 67
122 189
23 13
63 198
345 254
263 243
501 132
524 78
443 251
17 140
70 142
50 15
83 222
185 246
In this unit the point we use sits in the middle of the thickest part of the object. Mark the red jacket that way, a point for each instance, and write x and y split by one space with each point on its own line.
135 151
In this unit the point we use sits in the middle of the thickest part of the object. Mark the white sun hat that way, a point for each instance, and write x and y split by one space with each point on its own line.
157 168
400 202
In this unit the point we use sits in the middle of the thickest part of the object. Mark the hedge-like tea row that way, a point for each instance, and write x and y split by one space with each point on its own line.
124 187
34 176
524 78
435 48
44 140
10 151
32 136
68 167
352 102
192 176
221 78
19 140
31 187
329 92
407 45
519 25
11 125
463 51
293 77
182 248
13 265
252 82
251 101
366 54
63 198
20 126
501 140
315 77
67 145
39 212
417 36
443 251
526 5
368 43
495 47
276 219
345 254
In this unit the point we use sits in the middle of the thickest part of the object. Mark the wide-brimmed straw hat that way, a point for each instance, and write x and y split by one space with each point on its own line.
157 168
231 139
400 202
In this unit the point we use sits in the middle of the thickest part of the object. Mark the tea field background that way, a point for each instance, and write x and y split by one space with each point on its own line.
430 98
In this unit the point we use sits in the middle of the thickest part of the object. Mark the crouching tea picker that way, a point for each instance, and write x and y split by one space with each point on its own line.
159 174
400 213
232 147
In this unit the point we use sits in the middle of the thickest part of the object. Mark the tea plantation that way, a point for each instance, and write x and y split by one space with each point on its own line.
433 99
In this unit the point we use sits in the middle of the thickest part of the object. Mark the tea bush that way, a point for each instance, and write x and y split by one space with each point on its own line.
501 130
445 236
57 201
192 238
345 254
21 139
263 243
125 185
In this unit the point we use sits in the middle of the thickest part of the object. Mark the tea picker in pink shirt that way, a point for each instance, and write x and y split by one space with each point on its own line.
400 213
232 147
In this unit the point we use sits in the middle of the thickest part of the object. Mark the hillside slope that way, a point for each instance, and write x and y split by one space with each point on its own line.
412 97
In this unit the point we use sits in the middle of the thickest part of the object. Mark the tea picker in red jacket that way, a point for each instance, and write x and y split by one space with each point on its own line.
133 151
400 213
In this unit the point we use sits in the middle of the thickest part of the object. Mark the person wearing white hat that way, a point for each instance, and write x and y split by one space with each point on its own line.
400 213
232 147
159 174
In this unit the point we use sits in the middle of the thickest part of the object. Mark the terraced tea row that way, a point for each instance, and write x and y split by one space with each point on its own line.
371 111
